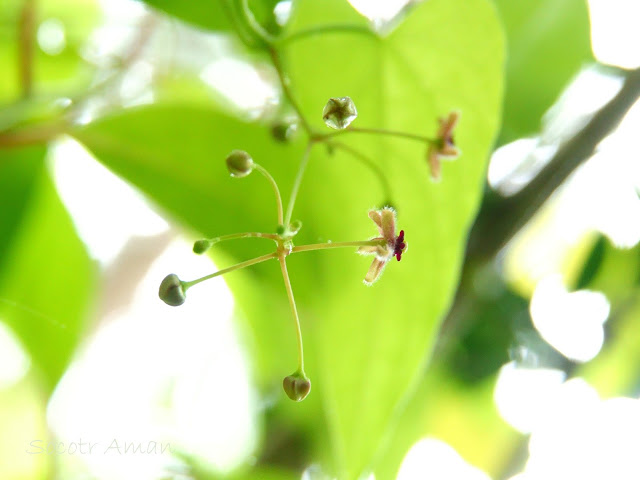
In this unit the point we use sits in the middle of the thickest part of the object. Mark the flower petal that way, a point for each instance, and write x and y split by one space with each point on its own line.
375 270
449 152
377 218
447 125
388 224
433 158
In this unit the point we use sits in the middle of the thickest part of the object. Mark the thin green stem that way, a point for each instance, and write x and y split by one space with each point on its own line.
231 236
276 190
328 245
296 184
375 168
378 131
344 28
286 89
237 266
294 312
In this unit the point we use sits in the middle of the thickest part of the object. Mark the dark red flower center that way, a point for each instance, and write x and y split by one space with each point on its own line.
399 245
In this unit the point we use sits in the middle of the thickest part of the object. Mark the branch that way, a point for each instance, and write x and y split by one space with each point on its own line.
499 220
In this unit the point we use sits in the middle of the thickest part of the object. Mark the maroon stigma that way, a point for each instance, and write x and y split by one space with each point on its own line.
399 245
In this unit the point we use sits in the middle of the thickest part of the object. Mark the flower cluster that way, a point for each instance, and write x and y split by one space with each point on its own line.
338 114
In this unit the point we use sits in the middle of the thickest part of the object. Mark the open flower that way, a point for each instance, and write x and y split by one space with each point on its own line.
390 245
443 148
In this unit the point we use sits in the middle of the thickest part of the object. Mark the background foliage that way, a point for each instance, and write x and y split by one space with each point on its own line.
417 354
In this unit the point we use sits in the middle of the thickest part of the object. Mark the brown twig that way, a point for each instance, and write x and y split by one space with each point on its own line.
26 46
498 222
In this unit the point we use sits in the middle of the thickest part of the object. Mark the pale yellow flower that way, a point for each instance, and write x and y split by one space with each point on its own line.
390 245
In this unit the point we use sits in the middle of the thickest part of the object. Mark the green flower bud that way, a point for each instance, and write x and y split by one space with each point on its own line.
338 113
201 246
296 386
172 291
239 163
283 131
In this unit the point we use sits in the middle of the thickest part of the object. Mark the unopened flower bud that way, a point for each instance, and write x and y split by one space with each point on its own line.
239 163
201 246
296 386
172 291
338 113
283 131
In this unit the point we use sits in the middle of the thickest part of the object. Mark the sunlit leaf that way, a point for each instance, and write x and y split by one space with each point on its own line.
445 56
46 280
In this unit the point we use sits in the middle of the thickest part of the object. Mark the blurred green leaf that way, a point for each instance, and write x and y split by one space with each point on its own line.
547 43
19 170
216 15
47 278
365 346
592 264
210 15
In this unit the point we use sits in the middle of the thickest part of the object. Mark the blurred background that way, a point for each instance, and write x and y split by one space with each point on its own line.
536 370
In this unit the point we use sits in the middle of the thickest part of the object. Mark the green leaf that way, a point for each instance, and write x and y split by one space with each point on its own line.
210 15
548 41
18 173
372 342
216 15
46 279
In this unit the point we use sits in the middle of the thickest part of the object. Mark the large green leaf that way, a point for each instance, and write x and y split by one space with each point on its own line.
365 346
46 279
548 41
446 55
